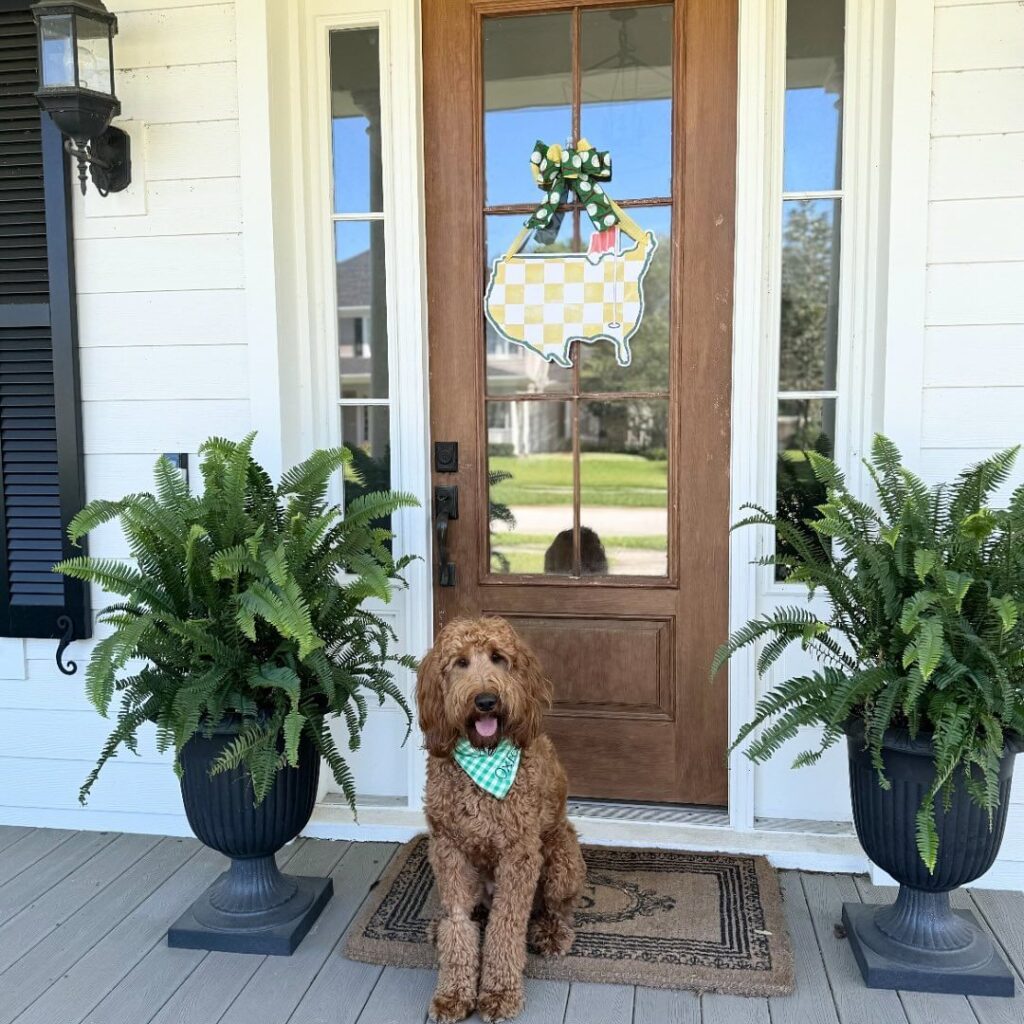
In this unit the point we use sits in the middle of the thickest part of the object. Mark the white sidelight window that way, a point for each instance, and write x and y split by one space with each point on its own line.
357 218
811 258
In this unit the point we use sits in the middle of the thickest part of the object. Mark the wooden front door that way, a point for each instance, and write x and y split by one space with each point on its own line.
593 497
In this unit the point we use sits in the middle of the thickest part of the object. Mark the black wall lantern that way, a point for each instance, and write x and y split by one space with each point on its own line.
76 87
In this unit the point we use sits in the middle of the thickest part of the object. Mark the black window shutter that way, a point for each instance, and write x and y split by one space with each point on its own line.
41 477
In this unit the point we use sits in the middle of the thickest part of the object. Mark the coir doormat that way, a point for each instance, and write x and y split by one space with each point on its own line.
662 918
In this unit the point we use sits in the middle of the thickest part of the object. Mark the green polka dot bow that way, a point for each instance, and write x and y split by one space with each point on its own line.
560 171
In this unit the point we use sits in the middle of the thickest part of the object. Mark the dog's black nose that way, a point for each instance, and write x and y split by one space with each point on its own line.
485 702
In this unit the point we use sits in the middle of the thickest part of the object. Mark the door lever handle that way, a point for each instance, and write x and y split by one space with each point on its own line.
446 508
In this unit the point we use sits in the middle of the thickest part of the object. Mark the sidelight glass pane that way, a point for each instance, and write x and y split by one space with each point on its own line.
814 95
803 425
529 464
355 120
362 309
648 369
513 368
624 487
527 96
366 432
626 94
810 295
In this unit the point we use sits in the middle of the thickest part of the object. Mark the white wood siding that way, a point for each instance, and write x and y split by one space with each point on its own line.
164 364
973 373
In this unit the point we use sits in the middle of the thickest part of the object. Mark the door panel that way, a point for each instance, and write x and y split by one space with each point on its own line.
593 499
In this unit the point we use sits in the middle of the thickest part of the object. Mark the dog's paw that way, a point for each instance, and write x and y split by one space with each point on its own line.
551 936
450 1007
500 1004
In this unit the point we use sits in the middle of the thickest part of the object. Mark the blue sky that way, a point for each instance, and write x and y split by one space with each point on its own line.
637 135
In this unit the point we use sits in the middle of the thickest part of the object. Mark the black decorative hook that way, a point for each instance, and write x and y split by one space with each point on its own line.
67 630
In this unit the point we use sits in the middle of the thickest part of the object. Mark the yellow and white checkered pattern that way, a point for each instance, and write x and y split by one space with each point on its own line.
547 301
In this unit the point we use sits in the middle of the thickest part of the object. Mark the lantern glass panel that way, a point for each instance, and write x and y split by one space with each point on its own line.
58 56
93 54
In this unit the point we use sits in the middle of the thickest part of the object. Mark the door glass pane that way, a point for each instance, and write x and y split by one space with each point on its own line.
626 93
527 96
355 120
529 464
803 425
511 367
810 295
362 309
649 344
366 432
814 95
624 486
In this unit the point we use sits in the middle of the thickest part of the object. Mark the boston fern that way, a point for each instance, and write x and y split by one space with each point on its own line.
247 601
925 629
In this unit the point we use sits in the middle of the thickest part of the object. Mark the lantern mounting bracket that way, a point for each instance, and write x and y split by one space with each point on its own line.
108 159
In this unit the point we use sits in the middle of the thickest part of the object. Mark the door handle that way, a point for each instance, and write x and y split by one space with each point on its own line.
446 508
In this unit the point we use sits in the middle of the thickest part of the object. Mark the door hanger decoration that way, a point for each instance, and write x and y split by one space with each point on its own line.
545 301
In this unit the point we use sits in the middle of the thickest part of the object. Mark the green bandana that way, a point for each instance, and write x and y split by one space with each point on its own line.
493 771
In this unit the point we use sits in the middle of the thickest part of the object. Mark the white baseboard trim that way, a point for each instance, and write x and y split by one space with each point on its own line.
803 850
86 819
1004 874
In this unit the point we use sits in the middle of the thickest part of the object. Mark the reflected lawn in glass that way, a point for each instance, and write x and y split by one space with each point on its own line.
530 476
624 482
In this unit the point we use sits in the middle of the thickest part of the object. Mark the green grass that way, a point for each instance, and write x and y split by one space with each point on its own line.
606 479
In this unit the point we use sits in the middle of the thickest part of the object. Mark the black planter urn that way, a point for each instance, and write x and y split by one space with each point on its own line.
919 942
252 907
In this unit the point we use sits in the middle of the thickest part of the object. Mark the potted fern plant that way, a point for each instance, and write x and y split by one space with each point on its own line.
921 667
241 631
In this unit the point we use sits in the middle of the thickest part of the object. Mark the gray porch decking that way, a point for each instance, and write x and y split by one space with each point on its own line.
83 917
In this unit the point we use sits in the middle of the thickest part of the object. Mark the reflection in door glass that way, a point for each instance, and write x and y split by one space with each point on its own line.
626 92
814 95
804 425
649 363
527 96
362 309
624 484
366 433
355 121
529 465
809 320
512 368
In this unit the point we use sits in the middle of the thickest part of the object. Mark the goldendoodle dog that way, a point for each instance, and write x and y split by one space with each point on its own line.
495 804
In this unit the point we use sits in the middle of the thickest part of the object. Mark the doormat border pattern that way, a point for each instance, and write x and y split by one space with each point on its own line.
753 958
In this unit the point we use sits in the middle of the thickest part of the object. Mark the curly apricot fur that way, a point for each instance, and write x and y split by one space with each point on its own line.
522 851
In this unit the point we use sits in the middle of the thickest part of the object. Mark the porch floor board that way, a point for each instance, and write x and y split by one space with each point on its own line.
83 917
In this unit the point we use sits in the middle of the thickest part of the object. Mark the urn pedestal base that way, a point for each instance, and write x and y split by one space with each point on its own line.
973 969
217 921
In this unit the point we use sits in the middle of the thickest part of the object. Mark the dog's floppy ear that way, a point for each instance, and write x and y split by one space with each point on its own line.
438 736
537 689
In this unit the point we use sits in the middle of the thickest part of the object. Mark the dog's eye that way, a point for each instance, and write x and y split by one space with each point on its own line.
462 662
498 658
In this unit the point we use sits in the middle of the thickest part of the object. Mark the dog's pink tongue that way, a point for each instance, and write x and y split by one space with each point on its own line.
487 726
